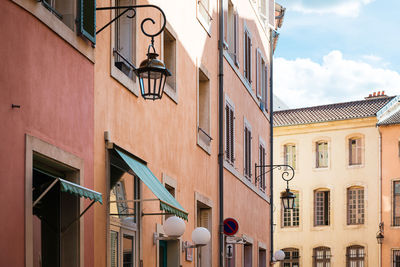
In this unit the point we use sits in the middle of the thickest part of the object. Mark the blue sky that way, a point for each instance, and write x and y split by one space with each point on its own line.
337 50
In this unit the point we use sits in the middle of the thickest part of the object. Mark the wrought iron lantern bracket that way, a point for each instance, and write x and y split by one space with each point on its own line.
287 174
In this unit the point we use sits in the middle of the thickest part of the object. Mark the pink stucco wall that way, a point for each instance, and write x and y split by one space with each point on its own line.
390 171
53 84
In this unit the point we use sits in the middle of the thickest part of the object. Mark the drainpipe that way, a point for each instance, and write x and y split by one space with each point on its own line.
221 131
380 192
271 140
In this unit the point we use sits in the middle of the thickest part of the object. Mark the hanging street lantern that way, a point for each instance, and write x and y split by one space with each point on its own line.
288 199
379 234
152 72
152 75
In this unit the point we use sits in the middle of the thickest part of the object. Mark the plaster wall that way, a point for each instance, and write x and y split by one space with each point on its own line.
53 84
164 132
337 178
390 172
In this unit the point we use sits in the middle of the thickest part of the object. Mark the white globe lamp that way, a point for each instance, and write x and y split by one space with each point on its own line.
174 226
279 255
201 236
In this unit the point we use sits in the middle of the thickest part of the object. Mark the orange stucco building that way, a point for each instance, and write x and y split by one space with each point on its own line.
389 129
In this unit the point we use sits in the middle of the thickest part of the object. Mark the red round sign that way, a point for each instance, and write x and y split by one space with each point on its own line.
231 226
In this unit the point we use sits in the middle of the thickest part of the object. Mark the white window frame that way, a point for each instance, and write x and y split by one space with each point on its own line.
171 92
200 142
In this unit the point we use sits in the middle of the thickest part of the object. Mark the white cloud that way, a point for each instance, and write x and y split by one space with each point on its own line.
302 82
347 8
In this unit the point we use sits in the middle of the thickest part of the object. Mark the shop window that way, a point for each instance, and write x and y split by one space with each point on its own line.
290 155
124 209
248 255
355 151
291 217
232 33
291 258
322 257
355 256
56 230
396 203
261 159
321 208
229 133
322 154
355 205
247 55
247 151
169 48
125 40
204 219
262 257
203 111
396 258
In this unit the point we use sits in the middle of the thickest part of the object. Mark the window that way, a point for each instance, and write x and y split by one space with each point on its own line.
261 84
322 257
248 255
396 203
123 217
64 10
204 14
56 241
262 9
396 258
291 217
290 155
321 207
355 151
262 257
261 159
398 145
125 40
203 111
247 151
247 55
204 215
171 190
169 52
232 33
229 133
322 154
355 205
291 258
355 256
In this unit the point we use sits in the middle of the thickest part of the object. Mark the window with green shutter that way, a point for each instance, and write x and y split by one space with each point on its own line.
87 21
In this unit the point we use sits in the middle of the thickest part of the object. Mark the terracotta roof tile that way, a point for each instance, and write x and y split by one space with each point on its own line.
332 112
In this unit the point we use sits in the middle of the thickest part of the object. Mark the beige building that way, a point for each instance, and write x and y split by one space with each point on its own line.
334 150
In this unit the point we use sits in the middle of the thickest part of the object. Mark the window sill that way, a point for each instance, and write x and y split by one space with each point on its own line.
359 166
245 181
355 226
320 227
246 84
171 93
51 21
124 80
320 169
203 145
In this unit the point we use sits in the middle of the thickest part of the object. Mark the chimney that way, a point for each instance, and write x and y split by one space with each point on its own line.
374 94
379 94
383 93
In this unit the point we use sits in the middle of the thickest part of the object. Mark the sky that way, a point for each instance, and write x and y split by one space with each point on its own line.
333 51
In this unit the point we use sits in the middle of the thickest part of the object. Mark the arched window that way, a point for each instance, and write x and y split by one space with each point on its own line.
355 256
291 257
355 205
321 257
291 217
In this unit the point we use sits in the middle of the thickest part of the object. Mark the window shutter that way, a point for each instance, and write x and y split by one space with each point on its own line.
227 133
250 45
250 153
114 248
236 36
266 88
205 218
87 19
232 128
258 73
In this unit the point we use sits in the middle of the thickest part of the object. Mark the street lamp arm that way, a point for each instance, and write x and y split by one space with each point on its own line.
287 174
133 8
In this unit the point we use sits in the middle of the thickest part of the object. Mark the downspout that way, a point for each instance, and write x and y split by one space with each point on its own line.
380 192
221 131
271 141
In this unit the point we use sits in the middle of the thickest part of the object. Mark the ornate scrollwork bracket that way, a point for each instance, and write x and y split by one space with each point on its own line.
287 171
126 9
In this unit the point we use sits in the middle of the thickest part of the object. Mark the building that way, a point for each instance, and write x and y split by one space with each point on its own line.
47 158
177 140
389 130
334 150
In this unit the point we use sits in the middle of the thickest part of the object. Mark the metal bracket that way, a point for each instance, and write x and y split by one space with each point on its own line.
287 173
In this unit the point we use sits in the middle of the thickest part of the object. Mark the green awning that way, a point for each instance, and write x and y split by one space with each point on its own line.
80 191
167 202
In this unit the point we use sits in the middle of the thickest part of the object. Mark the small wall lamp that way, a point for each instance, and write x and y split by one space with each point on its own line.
200 237
379 234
